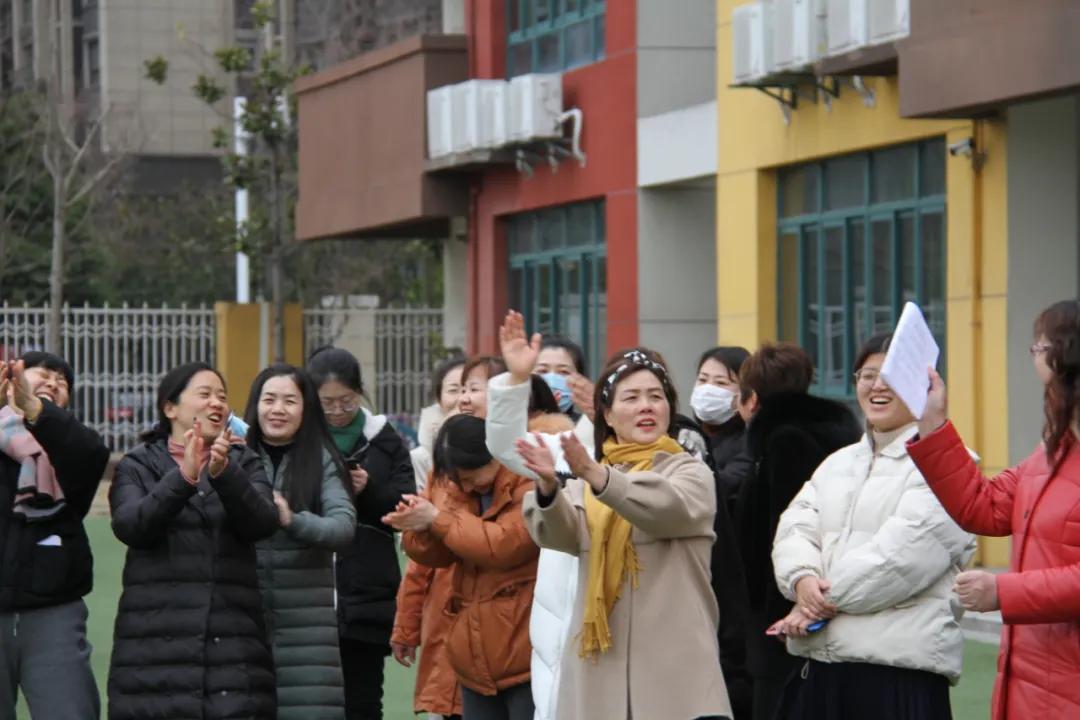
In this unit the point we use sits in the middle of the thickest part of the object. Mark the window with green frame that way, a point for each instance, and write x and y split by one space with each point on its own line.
558 274
553 35
858 236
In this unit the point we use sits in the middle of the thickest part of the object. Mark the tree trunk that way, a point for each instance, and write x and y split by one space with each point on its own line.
56 275
277 295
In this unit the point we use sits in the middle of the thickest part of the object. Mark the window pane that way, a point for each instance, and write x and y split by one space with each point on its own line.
599 299
545 311
517 288
552 230
522 238
520 59
933 261
831 370
881 314
908 268
799 190
578 40
541 11
788 279
933 167
813 302
579 225
514 14
857 243
845 179
547 49
894 174
601 45
570 299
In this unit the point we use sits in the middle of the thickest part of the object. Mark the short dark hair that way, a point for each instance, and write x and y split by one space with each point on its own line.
331 363
730 356
877 344
169 391
577 355
460 445
776 369
49 361
438 375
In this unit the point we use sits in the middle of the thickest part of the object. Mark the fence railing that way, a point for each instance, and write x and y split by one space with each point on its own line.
407 341
119 355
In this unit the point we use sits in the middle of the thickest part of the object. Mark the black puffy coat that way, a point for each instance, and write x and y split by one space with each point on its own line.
788 438
368 572
33 575
190 640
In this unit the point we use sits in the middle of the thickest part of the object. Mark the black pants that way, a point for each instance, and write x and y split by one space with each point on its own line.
513 703
855 691
362 665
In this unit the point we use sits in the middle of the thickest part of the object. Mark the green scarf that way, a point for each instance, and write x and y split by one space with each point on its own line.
346 437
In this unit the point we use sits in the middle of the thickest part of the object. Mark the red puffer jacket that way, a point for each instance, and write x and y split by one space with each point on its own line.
1039 663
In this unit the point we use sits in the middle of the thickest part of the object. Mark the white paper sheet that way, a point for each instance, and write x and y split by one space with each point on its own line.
912 350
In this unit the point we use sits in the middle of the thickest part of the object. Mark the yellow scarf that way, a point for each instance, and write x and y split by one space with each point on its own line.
612 557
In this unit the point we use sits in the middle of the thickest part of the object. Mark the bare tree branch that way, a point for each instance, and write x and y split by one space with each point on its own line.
80 152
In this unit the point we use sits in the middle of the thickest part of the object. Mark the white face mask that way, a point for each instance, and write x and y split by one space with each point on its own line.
713 404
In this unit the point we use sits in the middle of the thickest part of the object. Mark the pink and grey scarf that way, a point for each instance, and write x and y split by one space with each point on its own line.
38 495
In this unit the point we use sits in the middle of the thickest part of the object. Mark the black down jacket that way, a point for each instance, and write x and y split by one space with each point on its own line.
369 572
190 641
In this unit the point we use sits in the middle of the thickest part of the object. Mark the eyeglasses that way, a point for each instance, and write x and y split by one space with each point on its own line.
1039 349
344 406
866 376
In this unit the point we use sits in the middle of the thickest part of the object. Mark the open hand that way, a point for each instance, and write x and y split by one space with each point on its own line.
582 464
193 452
583 391
219 453
977 590
519 352
810 598
285 513
16 389
415 513
937 405
539 460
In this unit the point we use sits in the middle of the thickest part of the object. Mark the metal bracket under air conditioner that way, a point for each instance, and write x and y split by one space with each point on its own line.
554 150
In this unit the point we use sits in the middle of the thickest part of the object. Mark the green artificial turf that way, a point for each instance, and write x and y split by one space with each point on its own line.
970 699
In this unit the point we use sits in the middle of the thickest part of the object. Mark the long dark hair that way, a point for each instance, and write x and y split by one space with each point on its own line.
169 390
302 485
1060 324
730 356
622 365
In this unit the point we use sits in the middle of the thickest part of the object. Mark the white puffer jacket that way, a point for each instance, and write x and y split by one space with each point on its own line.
869 524
557 573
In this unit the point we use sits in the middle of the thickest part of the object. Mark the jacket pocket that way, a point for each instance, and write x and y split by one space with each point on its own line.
54 569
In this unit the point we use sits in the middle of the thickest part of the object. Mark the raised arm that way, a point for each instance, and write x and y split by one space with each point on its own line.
142 506
978 504
76 453
680 502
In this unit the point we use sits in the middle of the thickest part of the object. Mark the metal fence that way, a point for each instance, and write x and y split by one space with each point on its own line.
407 343
119 355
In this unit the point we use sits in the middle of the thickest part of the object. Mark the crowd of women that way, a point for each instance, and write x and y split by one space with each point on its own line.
577 549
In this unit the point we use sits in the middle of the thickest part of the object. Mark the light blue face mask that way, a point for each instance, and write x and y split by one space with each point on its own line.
561 388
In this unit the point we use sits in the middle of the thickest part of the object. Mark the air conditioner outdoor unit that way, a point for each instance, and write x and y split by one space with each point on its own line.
439 125
798 33
889 20
535 106
494 109
751 27
848 27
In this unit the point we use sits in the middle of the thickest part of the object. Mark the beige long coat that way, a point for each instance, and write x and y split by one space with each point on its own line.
663 663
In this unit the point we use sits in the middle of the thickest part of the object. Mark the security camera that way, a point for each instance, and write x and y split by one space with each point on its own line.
963 147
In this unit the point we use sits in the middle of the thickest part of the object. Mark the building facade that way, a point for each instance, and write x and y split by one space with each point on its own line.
944 172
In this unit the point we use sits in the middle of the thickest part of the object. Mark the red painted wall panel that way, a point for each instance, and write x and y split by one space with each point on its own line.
606 93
